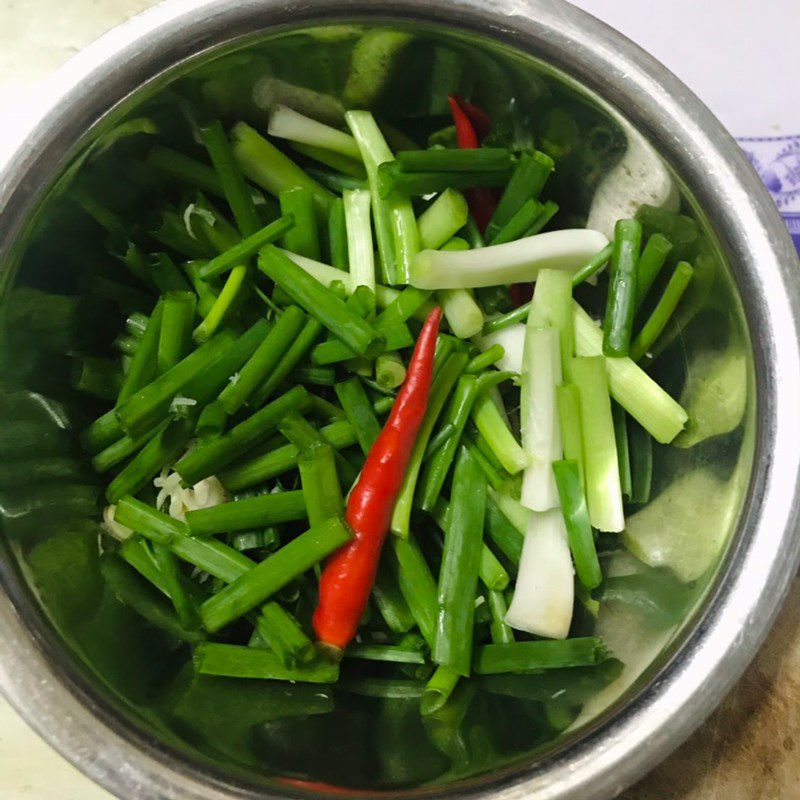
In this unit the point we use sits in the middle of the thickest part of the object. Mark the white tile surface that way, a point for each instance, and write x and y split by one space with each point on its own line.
30 770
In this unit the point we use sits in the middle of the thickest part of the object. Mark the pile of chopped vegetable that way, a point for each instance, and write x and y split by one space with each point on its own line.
338 449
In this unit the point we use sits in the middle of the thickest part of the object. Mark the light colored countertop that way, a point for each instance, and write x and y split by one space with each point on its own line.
748 749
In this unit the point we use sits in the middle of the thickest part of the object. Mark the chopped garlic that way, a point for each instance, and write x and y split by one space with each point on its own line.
205 494
201 212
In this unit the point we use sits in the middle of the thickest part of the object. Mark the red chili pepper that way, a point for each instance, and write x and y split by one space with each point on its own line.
465 133
322 787
477 116
481 201
347 579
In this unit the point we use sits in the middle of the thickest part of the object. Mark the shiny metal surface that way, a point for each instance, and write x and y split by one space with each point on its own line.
54 694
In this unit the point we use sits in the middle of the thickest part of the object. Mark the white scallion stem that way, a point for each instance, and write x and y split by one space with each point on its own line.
514 262
541 434
512 340
359 237
601 466
544 592
286 123
551 307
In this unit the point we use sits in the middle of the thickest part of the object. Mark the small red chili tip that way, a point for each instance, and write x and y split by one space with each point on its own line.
348 576
465 133
480 120
481 201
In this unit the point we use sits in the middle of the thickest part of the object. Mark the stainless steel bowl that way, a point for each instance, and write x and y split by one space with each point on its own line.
756 292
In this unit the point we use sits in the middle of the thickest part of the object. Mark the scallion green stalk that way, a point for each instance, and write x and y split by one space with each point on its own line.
303 236
270 169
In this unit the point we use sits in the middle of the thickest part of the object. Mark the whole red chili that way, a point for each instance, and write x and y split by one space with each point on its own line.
347 578
481 201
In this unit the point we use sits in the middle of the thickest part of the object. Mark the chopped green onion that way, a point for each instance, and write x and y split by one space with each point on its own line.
458 577
576 518
526 656
337 235
551 307
289 359
260 468
208 458
621 303
390 371
236 191
359 237
302 237
233 661
623 449
393 179
641 456
253 512
601 465
159 452
443 218
532 171
631 386
663 311
440 389
176 328
384 652
501 632
142 368
438 690
593 266
317 464
518 225
273 573
148 405
281 631
417 585
495 431
320 302
270 169
246 248
569 415
653 258
264 360
286 123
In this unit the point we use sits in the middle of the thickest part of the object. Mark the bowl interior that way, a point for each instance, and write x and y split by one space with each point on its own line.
60 299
